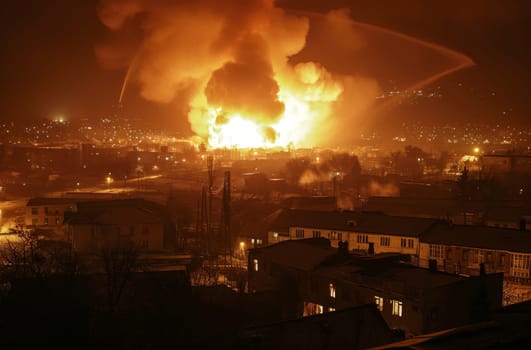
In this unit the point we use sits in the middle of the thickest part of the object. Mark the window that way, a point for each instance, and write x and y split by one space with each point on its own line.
34 211
363 238
57 221
332 289
407 243
331 309
258 242
255 264
46 221
310 309
145 244
379 302
46 210
316 234
336 235
385 241
501 259
436 251
275 236
520 261
299 233
397 308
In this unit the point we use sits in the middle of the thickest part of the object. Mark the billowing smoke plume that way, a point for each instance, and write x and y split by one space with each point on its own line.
234 57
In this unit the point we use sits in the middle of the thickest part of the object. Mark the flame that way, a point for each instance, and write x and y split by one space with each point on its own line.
306 96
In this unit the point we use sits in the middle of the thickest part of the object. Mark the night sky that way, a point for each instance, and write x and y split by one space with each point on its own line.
49 65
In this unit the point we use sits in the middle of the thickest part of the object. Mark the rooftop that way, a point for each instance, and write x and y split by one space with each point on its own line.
305 254
367 222
481 237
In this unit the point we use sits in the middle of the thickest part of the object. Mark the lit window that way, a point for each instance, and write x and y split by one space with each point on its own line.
436 251
385 241
363 238
255 264
331 309
319 309
332 290
397 308
379 302
275 235
252 240
46 221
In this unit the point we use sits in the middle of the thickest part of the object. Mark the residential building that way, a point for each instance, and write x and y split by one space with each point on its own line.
47 214
507 328
101 224
463 249
363 230
317 278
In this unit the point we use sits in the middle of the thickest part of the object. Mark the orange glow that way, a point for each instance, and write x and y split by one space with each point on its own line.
246 77
306 95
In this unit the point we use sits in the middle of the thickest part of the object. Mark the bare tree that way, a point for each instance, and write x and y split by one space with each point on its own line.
28 256
118 264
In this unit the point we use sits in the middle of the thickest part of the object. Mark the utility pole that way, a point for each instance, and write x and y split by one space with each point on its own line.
227 217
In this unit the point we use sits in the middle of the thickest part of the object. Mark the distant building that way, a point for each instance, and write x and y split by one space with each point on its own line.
314 278
506 163
47 214
101 224
464 249
361 230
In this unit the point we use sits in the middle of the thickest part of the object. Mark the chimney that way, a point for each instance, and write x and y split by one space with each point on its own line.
432 265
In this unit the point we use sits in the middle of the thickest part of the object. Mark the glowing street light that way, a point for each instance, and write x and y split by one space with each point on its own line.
109 180
476 150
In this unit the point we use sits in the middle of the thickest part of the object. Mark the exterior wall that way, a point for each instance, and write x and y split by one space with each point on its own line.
49 217
383 243
277 236
92 238
461 303
516 267
397 244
